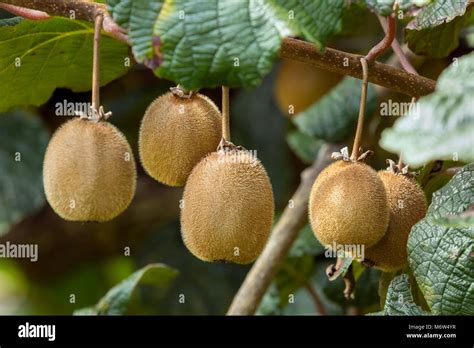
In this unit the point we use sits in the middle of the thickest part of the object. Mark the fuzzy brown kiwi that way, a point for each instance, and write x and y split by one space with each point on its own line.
89 171
175 134
407 206
348 205
228 206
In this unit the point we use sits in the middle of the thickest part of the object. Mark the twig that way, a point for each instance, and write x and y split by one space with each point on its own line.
363 101
96 62
386 42
25 12
80 9
397 49
345 63
284 233
318 304
225 114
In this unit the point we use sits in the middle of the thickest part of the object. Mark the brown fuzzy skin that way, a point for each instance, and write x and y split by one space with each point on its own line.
175 134
407 204
93 165
348 205
226 206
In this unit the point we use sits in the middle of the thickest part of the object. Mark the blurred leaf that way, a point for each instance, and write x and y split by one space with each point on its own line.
385 7
437 35
303 145
399 300
333 118
306 244
117 299
10 21
318 21
440 256
52 53
443 124
138 17
23 141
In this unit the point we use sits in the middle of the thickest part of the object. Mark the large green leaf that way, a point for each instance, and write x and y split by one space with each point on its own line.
333 118
211 43
317 21
399 300
442 257
38 56
138 17
117 299
23 141
442 125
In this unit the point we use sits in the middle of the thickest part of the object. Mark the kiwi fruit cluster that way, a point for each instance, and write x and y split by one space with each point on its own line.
352 204
228 207
176 133
89 171
407 205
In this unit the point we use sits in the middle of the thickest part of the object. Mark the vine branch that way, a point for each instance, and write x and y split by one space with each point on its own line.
283 235
333 60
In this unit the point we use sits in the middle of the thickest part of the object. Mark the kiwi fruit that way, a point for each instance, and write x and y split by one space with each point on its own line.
228 206
89 171
407 206
348 205
312 83
175 134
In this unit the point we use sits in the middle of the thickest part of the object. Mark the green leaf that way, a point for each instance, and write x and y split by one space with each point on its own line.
38 56
399 300
442 262
456 197
442 124
317 21
211 43
138 17
303 145
442 257
430 38
117 299
437 13
23 141
333 118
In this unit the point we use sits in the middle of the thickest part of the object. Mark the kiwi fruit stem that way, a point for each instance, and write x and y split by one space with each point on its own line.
363 100
225 114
